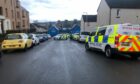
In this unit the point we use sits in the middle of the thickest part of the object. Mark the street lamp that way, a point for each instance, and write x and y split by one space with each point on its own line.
85 13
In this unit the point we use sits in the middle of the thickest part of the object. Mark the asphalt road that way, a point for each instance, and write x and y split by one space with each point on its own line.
66 62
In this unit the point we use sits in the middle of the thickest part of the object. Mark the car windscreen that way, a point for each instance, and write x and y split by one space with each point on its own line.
13 36
85 33
30 35
93 33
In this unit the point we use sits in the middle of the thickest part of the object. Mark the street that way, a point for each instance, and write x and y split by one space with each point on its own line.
66 62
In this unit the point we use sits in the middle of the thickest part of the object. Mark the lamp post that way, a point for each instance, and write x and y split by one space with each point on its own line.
85 13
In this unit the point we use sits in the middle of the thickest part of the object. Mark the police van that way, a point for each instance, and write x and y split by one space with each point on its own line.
118 38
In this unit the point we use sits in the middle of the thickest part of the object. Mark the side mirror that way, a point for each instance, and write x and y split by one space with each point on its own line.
29 37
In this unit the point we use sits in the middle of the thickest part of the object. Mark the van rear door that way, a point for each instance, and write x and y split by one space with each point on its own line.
129 39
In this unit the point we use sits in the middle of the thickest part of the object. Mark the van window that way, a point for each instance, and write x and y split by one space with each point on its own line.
137 33
102 31
93 33
129 30
85 33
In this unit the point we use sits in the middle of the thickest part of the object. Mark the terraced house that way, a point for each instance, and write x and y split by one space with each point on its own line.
13 16
118 11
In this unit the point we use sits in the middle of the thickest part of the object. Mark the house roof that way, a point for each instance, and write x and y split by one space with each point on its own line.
132 4
89 18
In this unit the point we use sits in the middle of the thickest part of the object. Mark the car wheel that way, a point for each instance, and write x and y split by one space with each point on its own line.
0 55
25 48
108 52
87 47
134 56
32 45
38 43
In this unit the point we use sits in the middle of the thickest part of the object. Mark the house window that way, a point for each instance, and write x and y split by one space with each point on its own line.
23 15
88 24
17 4
23 23
5 1
12 13
18 15
1 12
18 25
118 13
11 2
6 11
13 25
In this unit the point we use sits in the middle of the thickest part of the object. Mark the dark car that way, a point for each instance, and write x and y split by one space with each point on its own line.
45 36
0 54
40 37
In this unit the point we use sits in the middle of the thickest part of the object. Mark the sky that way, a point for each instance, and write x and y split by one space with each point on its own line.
53 10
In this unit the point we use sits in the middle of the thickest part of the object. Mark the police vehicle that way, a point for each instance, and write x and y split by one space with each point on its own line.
118 38
83 36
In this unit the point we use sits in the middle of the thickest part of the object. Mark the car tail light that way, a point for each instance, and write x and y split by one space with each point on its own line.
116 40
20 41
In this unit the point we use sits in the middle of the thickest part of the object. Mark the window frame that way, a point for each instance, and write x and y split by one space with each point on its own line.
101 31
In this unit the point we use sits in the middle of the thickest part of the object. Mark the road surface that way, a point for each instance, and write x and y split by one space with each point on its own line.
66 62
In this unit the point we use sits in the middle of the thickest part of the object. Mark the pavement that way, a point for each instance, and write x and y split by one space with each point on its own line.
66 62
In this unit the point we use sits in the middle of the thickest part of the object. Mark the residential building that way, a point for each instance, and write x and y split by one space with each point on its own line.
13 16
88 23
118 11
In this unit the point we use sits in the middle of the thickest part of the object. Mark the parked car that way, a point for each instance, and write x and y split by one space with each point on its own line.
35 39
39 36
57 37
17 41
0 54
63 37
45 36
75 36
49 36
83 36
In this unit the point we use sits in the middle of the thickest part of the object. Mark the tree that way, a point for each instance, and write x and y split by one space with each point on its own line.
49 25
59 24
75 21
67 24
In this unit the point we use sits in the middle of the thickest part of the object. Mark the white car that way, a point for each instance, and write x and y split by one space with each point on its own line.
35 39
49 36
83 36
57 37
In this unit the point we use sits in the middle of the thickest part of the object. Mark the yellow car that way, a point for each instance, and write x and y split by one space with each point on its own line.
17 41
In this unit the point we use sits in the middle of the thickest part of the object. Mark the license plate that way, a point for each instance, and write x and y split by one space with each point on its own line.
11 45
125 44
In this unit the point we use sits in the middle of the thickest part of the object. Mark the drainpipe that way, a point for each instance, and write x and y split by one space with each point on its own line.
2 26
110 17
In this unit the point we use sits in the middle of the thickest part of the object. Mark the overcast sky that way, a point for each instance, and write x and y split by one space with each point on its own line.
53 10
